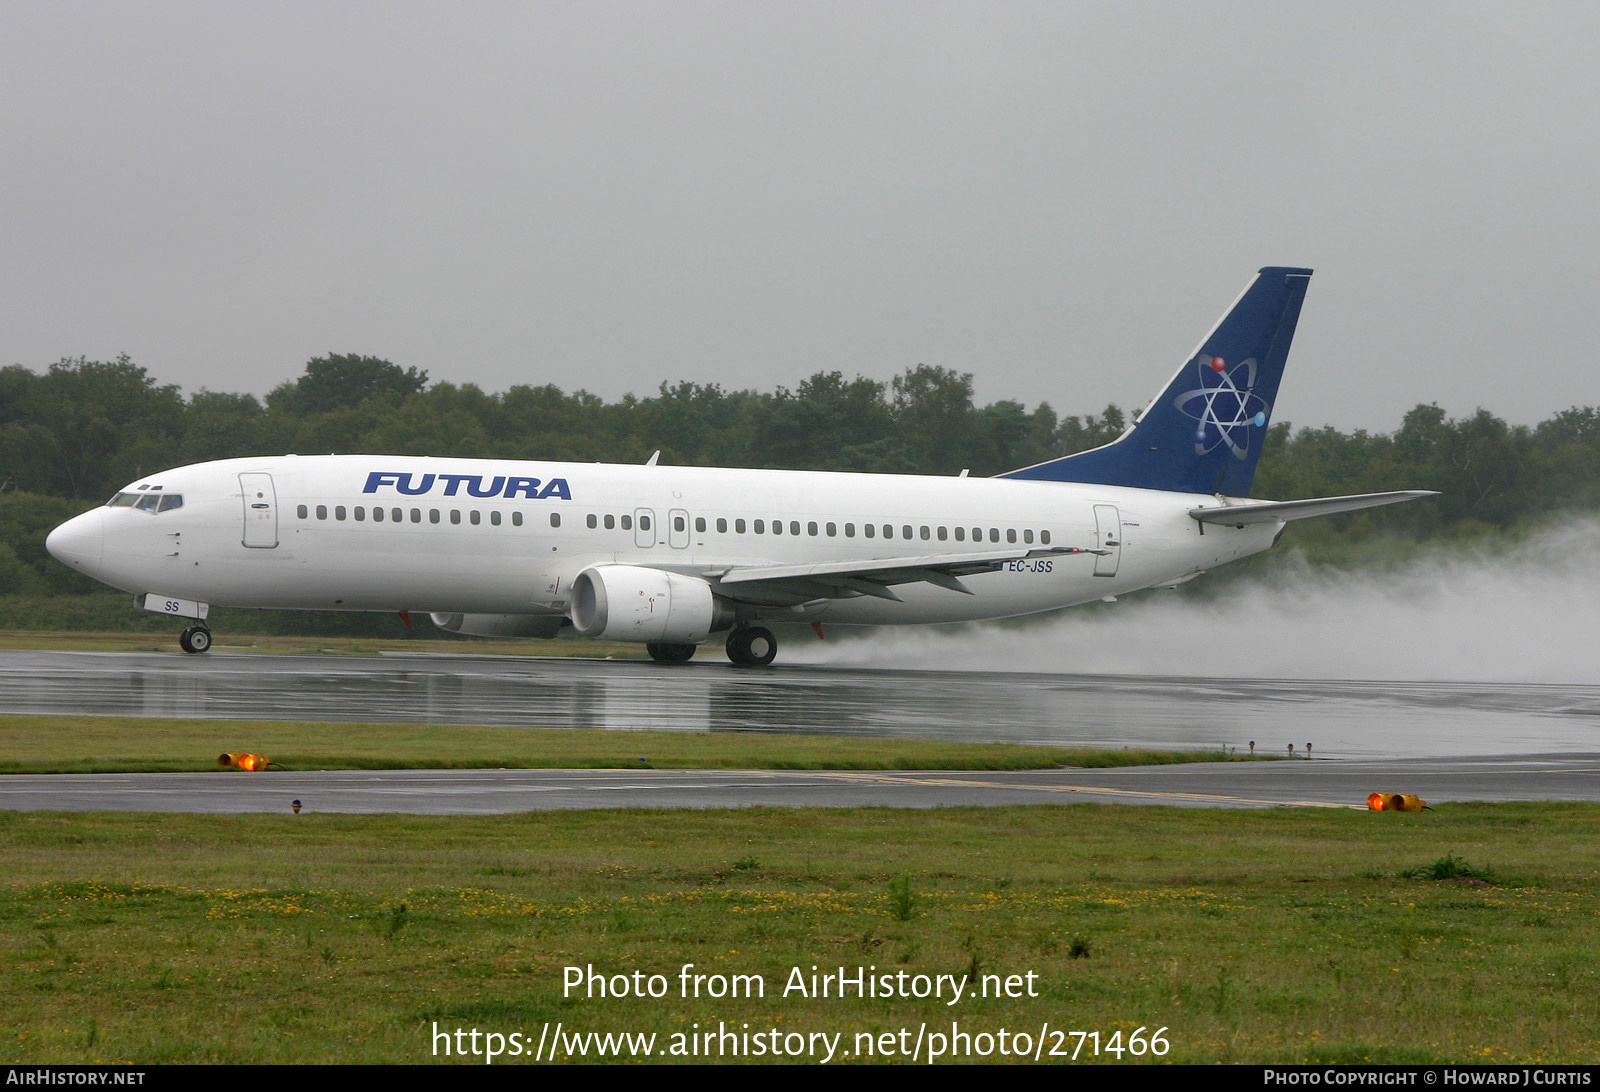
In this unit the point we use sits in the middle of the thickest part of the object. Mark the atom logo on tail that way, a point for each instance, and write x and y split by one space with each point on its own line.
1224 405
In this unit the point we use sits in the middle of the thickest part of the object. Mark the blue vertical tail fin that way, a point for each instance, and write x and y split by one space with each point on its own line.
1203 433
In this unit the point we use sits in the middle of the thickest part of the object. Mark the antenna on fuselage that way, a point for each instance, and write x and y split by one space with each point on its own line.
651 461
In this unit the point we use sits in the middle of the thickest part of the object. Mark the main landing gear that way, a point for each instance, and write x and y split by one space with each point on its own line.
663 653
752 646
748 646
195 639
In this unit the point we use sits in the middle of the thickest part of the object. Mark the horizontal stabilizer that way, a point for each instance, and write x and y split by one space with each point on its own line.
1268 511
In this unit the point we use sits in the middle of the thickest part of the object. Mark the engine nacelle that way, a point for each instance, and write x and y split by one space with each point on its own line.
500 625
635 603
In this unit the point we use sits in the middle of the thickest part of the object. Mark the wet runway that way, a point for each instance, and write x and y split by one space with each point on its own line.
1318 783
1340 719
1444 741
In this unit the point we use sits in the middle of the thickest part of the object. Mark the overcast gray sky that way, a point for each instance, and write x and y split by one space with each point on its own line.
1058 198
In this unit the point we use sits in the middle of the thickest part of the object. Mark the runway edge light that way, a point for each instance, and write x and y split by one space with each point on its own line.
1395 801
244 760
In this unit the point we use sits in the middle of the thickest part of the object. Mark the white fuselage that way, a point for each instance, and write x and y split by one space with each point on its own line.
502 536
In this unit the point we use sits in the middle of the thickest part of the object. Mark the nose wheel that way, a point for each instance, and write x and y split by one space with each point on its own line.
195 639
752 646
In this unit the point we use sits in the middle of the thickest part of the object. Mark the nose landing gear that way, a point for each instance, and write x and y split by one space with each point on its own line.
195 639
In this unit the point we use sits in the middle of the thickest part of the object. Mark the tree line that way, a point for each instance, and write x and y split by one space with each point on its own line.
73 435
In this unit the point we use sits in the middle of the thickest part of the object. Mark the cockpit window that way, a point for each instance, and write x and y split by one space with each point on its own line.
147 502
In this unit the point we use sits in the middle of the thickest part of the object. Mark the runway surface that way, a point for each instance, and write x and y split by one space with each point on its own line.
1339 718
1444 741
1318 783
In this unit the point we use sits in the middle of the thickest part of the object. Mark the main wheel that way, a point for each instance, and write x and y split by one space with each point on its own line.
664 653
195 639
752 646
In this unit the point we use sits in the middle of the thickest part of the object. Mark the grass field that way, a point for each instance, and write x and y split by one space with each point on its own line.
1464 934
84 744
1261 936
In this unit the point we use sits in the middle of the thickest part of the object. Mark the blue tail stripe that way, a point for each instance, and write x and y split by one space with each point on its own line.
1203 433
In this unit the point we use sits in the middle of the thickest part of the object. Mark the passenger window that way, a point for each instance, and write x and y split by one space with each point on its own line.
961 534
592 521
678 524
377 515
516 519
811 528
924 532
644 523
474 517
943 534
832 529
627 523
322 511
777 526
1044 538
870 529
494 518
555 519
794 527
700 523
722 525
905 532
977 534
396 515
455 515
338 511
738 526
1011 534
849 530
761 526
994 534
611 522
888 530
1027 536
301 512
361 514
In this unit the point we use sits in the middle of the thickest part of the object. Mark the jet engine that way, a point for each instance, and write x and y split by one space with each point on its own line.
500 625
635 603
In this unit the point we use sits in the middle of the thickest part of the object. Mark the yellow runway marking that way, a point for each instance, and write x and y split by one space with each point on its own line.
1099 790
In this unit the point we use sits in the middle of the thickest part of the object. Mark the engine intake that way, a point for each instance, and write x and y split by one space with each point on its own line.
635 603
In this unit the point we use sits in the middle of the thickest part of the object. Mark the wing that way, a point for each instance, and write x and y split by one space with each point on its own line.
774 584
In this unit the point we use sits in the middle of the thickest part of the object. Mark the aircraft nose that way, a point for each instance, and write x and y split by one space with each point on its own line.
79 542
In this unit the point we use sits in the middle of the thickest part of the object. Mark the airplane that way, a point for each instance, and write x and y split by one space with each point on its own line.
667 556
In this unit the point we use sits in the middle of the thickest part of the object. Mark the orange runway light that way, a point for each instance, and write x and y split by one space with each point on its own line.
1396 801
